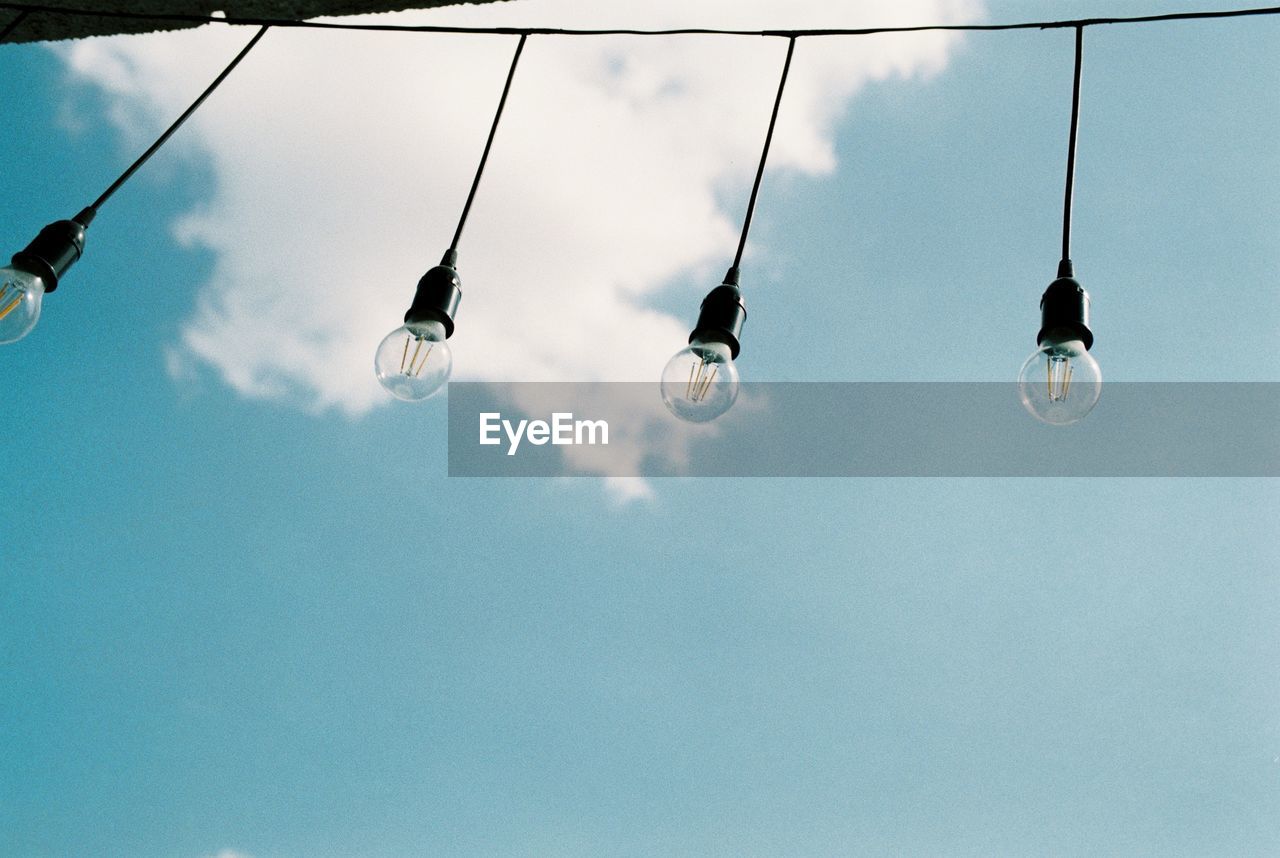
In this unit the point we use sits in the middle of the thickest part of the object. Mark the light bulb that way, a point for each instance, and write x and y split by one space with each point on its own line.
701 382
36 270
414 361
1060 383
21 293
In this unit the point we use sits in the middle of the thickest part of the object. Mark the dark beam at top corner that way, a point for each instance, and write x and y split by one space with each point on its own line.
49 26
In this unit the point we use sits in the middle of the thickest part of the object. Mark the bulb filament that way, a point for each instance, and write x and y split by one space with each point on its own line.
413 362
700 380
10 297
1058 377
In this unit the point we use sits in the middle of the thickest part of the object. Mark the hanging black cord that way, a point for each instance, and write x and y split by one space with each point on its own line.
14 24
1064 267
764 155
488 144
86 217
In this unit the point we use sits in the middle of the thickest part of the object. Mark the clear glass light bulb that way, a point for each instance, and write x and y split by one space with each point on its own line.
20 295
700 383
414 362
1060 383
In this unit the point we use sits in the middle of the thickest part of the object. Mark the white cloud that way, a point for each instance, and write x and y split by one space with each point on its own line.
228 853
341 161
625 490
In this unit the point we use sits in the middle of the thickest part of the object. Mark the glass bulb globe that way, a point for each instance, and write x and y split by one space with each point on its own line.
1060 383
700 383
20 295
414 362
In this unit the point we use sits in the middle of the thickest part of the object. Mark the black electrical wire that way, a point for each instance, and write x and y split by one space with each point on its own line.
488 144
86 217
706 31
764 154
1065 264
14 24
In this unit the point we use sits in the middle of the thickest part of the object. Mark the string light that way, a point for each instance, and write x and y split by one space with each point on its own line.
37 269
413 362
701 381
1061 382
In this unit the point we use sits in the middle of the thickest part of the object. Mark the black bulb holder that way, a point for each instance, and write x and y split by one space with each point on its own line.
54 250
722 314
439 293
1064 310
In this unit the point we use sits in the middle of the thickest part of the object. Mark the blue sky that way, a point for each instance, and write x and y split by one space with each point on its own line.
256 616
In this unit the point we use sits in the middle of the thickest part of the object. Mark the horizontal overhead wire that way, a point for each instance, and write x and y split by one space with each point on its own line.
234 20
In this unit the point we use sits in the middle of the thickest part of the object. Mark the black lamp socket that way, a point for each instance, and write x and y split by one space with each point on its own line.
439 293
1064 313
51 253
722 315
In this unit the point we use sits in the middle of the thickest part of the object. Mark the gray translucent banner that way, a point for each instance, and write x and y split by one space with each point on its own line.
866 429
